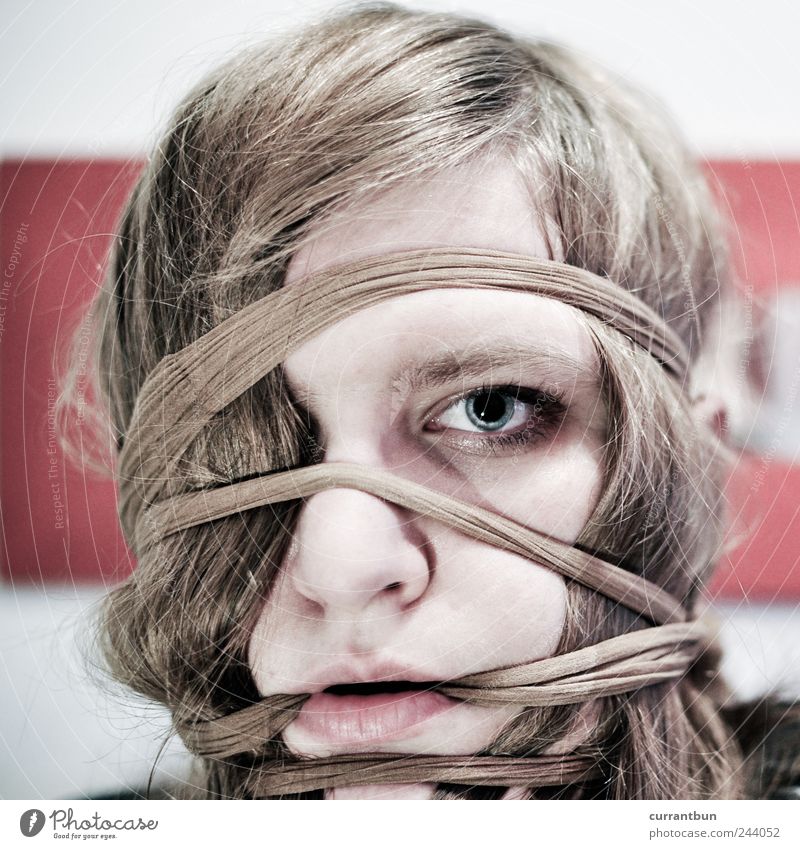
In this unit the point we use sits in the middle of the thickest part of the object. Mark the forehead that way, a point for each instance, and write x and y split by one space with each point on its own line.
482 204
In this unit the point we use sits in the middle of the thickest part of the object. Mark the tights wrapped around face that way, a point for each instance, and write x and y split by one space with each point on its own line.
189 387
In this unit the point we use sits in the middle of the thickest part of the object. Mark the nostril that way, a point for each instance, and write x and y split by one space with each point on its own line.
395 585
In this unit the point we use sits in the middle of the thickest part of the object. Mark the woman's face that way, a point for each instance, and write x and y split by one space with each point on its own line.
490 397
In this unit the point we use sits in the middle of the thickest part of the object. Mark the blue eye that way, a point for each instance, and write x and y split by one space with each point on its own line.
490 409
494 417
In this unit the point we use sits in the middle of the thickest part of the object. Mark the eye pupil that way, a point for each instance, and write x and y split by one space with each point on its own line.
490 410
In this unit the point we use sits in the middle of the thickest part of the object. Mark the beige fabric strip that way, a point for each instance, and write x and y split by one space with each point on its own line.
616 665
355 770
189 387
184 511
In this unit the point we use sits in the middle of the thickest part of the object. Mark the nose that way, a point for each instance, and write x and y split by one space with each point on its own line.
354 553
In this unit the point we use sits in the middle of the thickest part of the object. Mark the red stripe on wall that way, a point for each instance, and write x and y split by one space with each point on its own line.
59 520
764 500
762 200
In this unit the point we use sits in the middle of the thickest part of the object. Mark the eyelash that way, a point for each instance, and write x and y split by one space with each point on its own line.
550 409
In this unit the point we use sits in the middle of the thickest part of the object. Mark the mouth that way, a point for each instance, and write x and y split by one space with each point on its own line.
367 712
371 688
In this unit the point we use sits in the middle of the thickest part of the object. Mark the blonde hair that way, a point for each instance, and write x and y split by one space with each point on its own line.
258 154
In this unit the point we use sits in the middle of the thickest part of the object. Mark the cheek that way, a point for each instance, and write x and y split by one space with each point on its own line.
512 608
554 493
523 605
563 492
279 629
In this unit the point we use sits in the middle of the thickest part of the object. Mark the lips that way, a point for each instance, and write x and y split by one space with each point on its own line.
366 712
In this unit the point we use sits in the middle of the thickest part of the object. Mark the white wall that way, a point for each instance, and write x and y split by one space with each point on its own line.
66 729
95 77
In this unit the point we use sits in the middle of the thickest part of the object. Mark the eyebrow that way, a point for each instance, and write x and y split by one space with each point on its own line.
479 359
475 361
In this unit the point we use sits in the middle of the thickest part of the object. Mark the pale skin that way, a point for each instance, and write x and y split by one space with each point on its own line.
369 591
